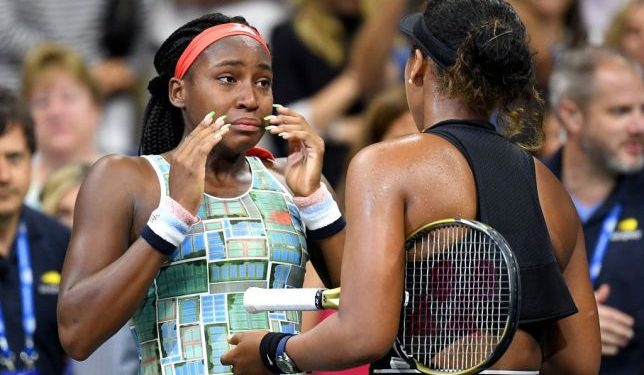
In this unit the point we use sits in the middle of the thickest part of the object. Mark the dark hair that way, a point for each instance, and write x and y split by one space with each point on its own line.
162 122
493 70
12 114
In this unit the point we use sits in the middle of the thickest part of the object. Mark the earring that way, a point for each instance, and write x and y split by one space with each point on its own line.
410 81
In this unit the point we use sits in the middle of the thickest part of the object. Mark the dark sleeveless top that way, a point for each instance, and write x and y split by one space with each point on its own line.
507 200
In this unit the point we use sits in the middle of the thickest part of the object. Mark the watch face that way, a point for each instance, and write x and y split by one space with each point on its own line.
284 364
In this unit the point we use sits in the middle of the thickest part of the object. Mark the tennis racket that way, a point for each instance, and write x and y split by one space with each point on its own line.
461 298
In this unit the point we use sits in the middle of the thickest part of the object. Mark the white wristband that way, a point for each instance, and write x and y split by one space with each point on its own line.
319 209
165 222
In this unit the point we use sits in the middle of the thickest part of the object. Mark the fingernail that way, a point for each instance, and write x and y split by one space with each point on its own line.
269 117
209 116
282 135
220 117
268 128
277 106
223 130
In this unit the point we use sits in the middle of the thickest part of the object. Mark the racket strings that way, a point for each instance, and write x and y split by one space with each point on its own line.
458 298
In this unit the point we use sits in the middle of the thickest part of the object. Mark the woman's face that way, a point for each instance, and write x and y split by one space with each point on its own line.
633 39
66 117
232 77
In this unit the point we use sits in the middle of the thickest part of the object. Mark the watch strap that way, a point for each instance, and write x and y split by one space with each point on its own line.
280 352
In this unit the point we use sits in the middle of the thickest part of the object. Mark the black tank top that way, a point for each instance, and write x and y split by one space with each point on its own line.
507 200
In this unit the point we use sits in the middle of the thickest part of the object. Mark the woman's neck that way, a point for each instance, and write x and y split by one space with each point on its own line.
441 109
582 177
227 176
220 162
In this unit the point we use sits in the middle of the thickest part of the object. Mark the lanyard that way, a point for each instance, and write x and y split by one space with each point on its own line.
29 355
608 226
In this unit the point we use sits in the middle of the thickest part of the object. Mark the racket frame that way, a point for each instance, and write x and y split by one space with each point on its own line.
514 301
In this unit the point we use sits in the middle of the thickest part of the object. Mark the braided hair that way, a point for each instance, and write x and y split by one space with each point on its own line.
163 125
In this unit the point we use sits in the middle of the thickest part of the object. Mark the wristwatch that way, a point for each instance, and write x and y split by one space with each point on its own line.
282 360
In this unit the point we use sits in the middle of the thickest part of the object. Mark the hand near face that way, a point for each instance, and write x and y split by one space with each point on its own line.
306 151
244 357
188 172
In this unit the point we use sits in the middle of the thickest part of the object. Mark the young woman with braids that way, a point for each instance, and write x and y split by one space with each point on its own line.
470 60
172 239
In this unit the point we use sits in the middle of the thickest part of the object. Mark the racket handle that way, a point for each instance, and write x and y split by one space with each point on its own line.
259 299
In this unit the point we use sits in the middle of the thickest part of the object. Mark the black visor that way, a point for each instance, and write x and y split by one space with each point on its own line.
413 26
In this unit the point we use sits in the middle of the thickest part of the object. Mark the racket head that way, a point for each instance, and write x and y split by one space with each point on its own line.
462 302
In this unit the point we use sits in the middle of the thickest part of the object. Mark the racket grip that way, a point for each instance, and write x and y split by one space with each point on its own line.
259 299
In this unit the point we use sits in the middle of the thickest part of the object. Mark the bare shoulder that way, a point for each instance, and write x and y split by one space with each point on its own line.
425 158
120 170
560 213
123 183
426 174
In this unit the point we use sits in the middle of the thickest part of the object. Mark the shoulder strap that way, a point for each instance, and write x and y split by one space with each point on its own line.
162 169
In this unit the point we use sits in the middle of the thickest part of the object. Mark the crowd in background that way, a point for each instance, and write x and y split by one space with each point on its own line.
81 67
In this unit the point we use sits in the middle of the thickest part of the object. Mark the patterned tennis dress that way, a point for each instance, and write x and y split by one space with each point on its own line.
196 300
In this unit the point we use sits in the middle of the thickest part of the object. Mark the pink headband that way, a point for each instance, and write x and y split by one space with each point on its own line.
208 37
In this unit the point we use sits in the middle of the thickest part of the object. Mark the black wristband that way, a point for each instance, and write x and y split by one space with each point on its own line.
157 242
327 231
268 350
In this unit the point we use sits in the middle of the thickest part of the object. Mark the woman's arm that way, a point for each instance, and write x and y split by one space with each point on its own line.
372 268
108 267
366 324
104 277
574 345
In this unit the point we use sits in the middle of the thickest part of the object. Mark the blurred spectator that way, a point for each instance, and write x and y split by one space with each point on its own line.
118 355
32 250
59 192
65 103
85 26
388 117
328 58
122 41
626 33
597 15
553 27
598 96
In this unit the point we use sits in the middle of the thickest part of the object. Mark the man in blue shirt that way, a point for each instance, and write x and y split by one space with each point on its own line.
598 97
32 250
